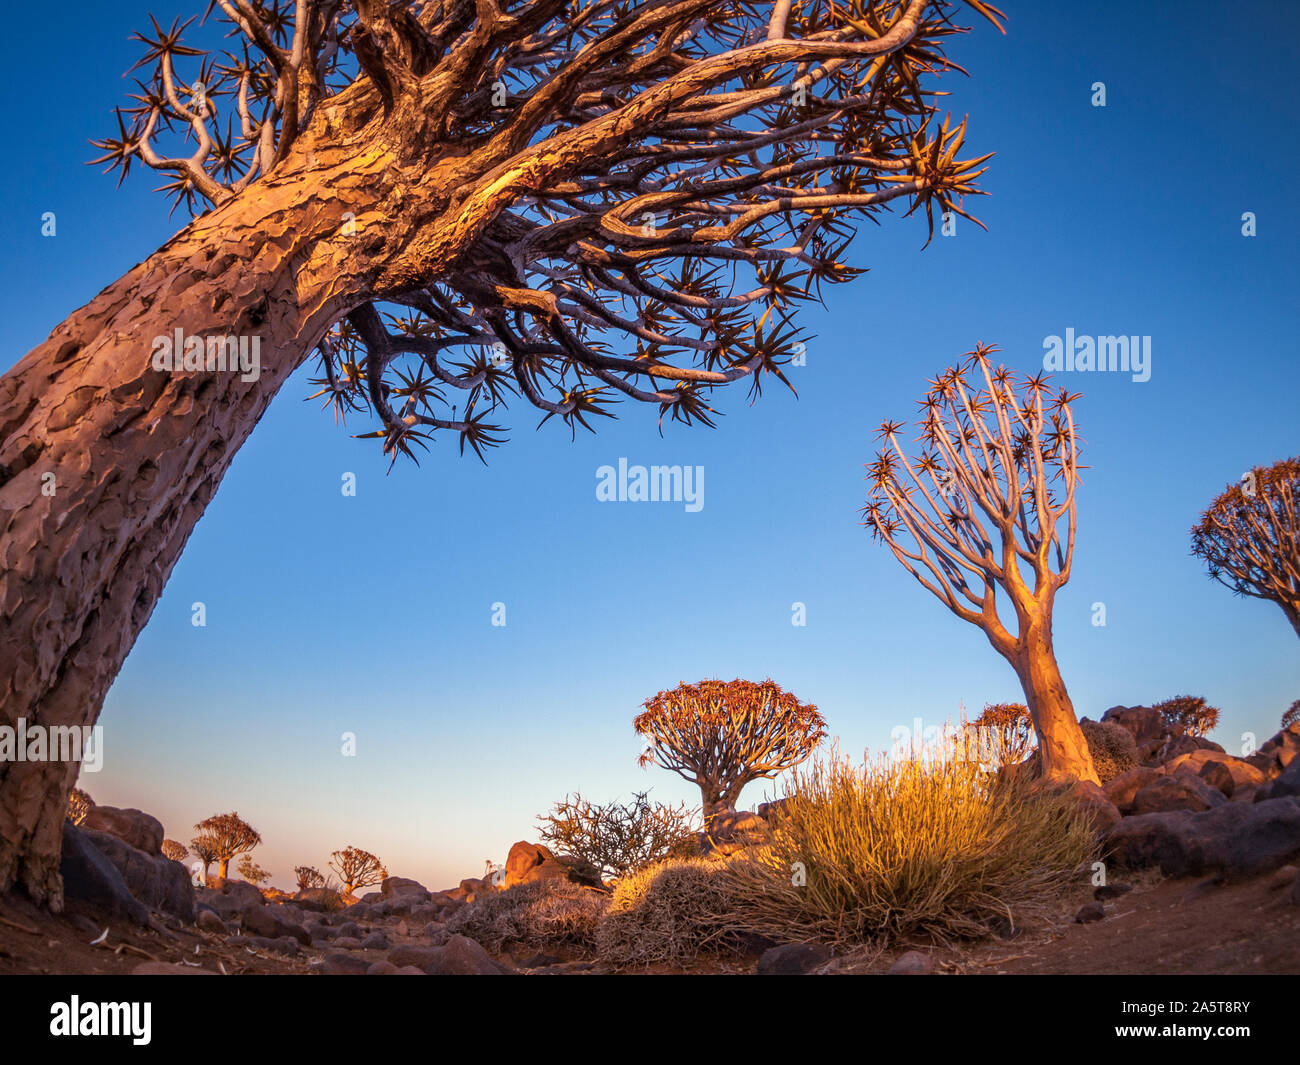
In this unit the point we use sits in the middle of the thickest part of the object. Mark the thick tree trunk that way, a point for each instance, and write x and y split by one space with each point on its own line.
106 464
223 869
1063 749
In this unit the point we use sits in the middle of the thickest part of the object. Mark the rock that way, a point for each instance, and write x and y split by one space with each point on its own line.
241 891
1285 783
1146 725
793 959
281 945
1121 790
1090 798
1245 774
523 857
913 963
1180 745
547 870
771 811
167 968
1282 749
133 827
208 921
423 958
402 929
1089 912
347 943
349 929
1282 878
375 941
344 965
1180 791
729 823
158 882
464 957
1113 890
265 921
581 871
372 896
384 968
397 885
539 961
89 876
1241 839
409 970
1219 776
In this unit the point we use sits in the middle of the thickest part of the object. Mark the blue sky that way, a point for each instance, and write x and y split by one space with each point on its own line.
372 615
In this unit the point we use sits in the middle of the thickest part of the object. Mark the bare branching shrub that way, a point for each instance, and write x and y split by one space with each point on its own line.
1004 734
934 849
79 804
1113 748
617 837
308 877
174 850
357 869
228 835
1190 714
722 735
543 915
252 872
670 914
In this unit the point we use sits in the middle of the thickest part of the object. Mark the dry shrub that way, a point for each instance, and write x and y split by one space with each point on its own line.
544 915
616 837
670 913
936 849
1112 747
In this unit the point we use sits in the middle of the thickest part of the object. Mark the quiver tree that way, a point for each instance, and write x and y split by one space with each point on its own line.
1249 537
721 735
973 516
357 868
204 848
1188 715
447 205
230 835
79 805
308 877
174 850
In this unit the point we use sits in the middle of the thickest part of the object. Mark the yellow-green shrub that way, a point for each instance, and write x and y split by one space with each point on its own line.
915 848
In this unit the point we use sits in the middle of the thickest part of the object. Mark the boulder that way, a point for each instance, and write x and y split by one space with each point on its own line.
771 811
208 921
1147 726
344 965
1089 912
1122 789
90 877
523 856
580 871
1280 751
423 958
1179 791
1245 774
1090 798
375 941
913 963
1219 776
1180 745
241 891
158 882
547 870
266 921
1240 839
134 827
398 885
464 957
793 959
1285 783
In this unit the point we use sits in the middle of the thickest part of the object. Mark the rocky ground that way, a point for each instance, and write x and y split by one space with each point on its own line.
1200 848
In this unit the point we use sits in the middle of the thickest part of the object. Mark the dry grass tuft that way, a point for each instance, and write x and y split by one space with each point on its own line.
544 915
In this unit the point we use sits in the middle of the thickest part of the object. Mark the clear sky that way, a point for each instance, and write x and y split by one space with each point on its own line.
373 614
